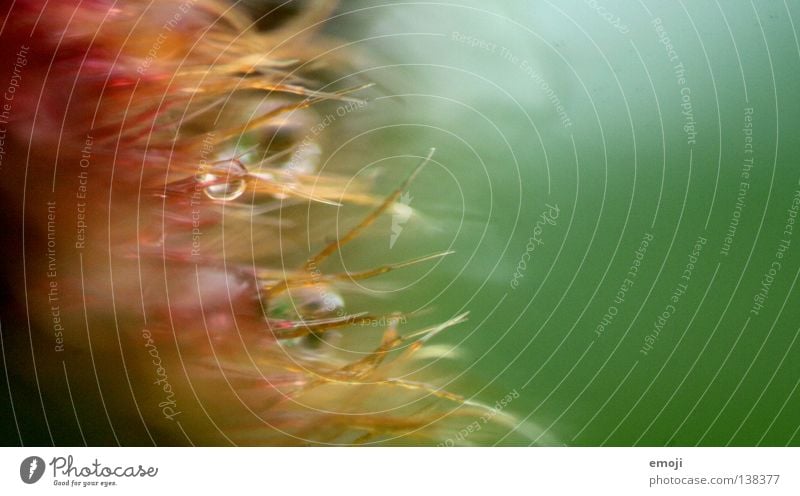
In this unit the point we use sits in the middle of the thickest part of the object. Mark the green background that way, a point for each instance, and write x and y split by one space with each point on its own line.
717 374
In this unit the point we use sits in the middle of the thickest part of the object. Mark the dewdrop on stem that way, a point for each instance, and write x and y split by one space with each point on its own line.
225 181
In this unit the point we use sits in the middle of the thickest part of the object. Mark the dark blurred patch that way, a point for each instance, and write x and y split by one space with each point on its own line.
272 14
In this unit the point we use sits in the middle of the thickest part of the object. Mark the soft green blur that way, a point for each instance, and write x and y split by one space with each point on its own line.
470 78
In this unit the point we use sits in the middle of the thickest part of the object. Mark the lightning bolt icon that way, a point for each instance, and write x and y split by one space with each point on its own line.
32 469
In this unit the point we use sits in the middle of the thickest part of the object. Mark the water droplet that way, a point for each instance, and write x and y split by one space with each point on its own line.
308 303
227 181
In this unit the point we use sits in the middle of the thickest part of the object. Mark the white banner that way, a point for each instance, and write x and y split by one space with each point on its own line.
400 471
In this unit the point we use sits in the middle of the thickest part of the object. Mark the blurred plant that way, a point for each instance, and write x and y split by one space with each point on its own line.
186 123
